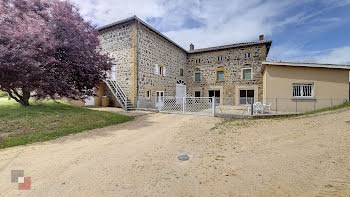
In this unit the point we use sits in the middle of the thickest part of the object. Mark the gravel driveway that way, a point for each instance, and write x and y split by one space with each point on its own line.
304 156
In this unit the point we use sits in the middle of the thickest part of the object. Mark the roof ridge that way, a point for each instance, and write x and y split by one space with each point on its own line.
134 17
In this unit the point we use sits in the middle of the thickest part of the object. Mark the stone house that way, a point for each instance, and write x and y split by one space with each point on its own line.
148 65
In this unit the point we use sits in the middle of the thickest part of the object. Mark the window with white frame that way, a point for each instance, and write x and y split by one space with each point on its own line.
159 70
197 60
220 58
247 55
160 96
303 90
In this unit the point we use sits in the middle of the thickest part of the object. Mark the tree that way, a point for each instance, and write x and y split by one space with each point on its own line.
47 50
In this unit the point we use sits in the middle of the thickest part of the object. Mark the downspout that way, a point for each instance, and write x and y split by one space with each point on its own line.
137 63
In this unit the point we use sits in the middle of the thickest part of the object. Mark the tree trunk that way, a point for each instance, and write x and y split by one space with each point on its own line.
22 99
25 98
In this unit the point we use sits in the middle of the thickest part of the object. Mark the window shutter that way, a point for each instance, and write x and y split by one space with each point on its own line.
164 71
156 69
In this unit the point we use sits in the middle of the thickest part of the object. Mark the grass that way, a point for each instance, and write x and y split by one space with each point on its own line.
241 123
48 120
344 105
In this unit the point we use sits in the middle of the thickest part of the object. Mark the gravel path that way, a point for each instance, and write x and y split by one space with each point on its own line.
306 156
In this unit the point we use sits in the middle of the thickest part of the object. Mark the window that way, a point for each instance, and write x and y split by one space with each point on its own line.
161 70
303 90
197 77
148 94
198 60
220 58
247 73
160 96
247 55
220 75
246 96
181 72
197 94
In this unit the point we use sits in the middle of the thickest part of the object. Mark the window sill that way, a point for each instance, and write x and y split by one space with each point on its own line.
218 81
303 98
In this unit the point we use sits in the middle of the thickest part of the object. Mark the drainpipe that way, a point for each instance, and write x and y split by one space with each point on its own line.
137 62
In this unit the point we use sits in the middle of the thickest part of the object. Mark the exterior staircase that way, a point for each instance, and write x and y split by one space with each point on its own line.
118 94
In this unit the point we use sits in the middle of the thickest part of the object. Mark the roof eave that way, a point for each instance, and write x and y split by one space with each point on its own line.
145 24
310 65
218 48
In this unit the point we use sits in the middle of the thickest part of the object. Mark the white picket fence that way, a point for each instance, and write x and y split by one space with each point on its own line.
187 105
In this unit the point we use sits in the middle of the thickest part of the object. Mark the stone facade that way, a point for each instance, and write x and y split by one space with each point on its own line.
232 64
120 42
137 49
154 49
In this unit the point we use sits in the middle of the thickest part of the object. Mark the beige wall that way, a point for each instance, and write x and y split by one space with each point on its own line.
328 84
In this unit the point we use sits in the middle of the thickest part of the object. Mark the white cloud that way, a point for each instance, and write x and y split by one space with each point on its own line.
102 12
218 22
294 53
222 22
334 56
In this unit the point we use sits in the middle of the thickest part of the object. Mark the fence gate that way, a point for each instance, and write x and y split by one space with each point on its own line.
203 106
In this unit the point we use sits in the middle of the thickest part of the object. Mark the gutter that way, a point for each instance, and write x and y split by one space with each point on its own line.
137 61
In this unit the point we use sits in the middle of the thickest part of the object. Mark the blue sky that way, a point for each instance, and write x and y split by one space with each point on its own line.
302 30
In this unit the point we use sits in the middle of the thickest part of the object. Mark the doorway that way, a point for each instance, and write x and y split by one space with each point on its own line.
216 94
246 97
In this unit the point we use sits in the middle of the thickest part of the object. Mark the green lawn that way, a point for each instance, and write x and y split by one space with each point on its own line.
49 120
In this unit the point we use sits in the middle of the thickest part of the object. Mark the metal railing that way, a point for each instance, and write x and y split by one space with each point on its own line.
117 91
187 105
279 106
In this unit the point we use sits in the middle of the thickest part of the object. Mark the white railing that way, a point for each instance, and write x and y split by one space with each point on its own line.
117 91
187 105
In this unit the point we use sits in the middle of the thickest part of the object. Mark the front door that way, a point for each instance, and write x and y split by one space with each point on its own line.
246 97
180 90
160 96
216 94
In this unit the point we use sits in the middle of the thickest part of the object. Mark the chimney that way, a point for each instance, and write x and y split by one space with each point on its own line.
261 37
191 47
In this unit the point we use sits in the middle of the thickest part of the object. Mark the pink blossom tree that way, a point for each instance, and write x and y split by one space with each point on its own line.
47 50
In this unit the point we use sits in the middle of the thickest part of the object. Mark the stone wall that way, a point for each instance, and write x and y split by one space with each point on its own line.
232 64
154 49
120 42
136 49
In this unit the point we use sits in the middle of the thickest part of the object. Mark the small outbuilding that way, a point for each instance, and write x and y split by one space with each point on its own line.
304 86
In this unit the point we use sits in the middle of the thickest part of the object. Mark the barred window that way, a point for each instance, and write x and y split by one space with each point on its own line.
303 90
